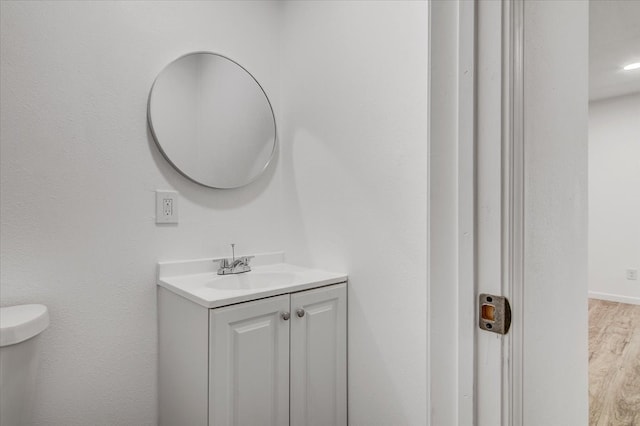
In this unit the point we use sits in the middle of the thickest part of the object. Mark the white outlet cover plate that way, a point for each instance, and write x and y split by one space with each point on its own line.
171 215
632 274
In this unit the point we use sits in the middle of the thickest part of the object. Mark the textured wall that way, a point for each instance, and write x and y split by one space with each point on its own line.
354 160
78 174
614 197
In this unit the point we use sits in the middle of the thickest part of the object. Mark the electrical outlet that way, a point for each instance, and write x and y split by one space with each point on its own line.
632 274
166 207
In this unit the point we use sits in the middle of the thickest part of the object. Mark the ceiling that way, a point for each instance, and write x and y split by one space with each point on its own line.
614 41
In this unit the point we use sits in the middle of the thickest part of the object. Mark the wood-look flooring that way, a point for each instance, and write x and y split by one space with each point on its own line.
614 364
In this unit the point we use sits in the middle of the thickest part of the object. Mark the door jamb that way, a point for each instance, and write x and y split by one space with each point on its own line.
467 331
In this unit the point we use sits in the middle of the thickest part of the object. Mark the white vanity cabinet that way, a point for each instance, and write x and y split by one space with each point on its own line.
275 361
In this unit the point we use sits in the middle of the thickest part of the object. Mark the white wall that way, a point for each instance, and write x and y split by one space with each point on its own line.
614 197
79 171
348 81
354 165
554 329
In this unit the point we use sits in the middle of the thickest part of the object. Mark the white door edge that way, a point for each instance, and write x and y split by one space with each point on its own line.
513 217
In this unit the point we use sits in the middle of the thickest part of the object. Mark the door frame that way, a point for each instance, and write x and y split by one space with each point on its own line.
467 213
451 328
454 285
450 393
550 205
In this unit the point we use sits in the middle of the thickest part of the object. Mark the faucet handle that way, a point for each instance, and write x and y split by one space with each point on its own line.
224 263
246 259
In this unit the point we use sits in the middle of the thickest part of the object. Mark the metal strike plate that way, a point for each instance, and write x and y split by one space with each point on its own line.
494 313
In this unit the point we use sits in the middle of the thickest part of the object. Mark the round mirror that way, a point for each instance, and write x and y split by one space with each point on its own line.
212 120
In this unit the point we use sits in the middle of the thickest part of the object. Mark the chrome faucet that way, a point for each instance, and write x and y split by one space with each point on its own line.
233 265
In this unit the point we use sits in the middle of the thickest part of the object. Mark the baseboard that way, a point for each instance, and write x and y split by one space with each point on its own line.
614 298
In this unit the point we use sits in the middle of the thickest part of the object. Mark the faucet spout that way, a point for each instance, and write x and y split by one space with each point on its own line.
233 265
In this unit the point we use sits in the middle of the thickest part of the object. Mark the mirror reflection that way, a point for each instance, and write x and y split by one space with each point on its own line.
212 120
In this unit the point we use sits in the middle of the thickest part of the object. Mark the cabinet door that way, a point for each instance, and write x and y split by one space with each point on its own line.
249 364
319 357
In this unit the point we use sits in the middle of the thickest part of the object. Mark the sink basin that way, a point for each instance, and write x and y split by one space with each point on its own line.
198 281
253 280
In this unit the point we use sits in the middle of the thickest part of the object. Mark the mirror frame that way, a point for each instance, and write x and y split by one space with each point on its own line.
164 154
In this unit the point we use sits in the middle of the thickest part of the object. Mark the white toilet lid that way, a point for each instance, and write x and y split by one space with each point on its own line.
22 322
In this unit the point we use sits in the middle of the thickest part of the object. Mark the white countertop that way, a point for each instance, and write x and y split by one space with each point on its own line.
198 281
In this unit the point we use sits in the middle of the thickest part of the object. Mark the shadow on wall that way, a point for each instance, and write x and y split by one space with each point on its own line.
370 372
197 194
